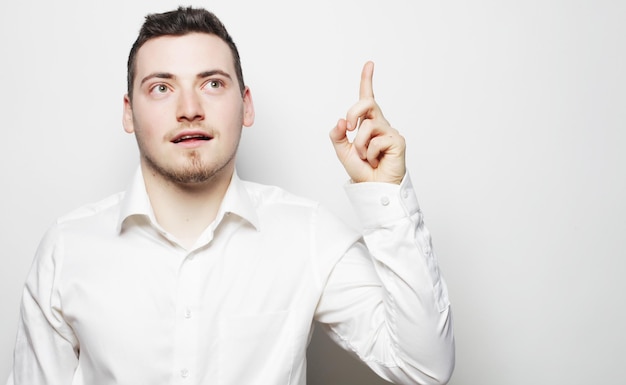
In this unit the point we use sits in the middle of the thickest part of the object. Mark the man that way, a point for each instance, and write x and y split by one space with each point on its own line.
195 276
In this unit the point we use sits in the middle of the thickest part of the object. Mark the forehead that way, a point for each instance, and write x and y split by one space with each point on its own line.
187 54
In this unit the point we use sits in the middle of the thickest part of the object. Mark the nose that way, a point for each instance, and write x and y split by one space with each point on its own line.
189 107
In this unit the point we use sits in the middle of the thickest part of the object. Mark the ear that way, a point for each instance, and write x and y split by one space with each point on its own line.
127 118
248 108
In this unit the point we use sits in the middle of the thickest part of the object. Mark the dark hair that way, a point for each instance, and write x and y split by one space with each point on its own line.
178 23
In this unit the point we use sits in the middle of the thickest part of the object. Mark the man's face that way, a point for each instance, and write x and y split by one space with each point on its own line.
187 110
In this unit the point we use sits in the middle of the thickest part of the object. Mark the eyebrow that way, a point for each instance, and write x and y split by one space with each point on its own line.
207 74
201 75
157 75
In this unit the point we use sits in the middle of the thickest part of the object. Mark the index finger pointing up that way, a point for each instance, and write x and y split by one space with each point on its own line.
366 90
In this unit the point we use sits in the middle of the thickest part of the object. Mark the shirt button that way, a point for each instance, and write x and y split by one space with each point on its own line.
187 313
384 201
405 194
184 373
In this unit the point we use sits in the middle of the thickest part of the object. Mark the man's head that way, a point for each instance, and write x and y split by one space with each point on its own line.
181 22
186 103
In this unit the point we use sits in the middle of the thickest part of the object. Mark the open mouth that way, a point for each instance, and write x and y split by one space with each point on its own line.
189 138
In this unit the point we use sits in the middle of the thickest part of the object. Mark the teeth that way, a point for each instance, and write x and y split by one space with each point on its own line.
187 137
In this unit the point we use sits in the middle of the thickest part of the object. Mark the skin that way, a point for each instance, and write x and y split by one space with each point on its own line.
377 153
187 115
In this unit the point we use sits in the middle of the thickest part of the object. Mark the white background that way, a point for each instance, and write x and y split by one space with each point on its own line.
515 118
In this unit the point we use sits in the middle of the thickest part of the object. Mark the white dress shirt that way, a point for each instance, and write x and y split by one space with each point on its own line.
112 298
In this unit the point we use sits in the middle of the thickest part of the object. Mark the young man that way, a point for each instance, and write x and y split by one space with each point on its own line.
194 276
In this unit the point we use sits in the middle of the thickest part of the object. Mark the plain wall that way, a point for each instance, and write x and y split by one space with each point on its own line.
515 118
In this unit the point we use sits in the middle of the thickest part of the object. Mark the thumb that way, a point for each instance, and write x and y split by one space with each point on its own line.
339 137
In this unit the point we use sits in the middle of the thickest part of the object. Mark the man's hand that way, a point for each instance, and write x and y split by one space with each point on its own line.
377 152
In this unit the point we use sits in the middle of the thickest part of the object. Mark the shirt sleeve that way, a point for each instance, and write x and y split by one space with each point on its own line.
385 300
46 350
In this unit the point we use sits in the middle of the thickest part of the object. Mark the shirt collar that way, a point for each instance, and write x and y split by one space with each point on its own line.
237 200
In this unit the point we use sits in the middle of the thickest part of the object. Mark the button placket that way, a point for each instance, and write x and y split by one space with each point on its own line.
185 302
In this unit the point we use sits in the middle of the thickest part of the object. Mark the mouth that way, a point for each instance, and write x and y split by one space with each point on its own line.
183 138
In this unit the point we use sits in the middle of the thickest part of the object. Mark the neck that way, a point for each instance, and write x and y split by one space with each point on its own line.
185 210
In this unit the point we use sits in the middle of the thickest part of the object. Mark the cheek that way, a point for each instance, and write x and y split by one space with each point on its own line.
153 111
230 138
150 123
145 134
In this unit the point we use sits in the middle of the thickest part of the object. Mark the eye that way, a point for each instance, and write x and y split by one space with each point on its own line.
214 84
160 88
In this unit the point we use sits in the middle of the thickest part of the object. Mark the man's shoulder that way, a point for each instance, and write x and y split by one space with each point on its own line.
98 211
284 208
265 195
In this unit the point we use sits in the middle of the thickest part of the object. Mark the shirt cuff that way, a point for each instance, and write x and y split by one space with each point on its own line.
378 204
